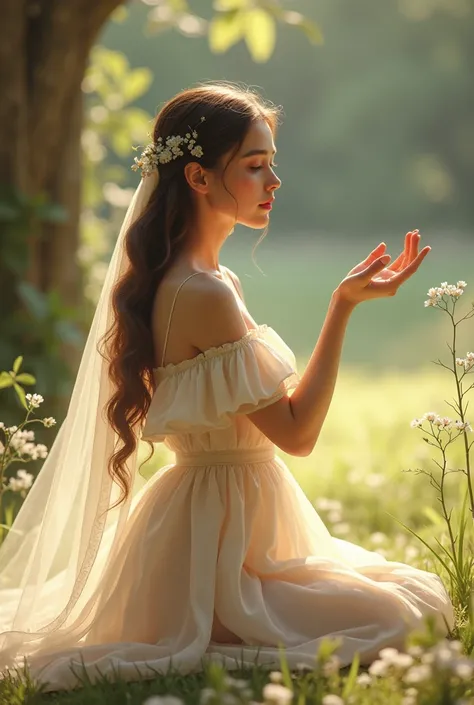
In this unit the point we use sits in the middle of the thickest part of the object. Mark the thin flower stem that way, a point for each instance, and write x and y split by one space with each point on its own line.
460 399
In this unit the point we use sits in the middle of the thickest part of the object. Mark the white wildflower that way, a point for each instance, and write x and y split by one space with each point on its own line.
206 695
2 425
11 429
415 650
163 700
416 423
49 421
278 694
378 538
332 665
408 700
326 505
388 654
430 416
364 680
461 284
334 516
378 668
464 669
331 699
21 482
418 674
35 400
276 677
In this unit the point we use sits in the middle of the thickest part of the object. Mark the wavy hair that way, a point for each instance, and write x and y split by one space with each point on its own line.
154 241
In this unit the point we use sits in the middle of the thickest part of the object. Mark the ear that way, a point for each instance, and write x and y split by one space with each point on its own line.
196 177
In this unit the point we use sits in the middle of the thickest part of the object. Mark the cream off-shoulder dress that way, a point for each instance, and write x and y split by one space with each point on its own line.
225 557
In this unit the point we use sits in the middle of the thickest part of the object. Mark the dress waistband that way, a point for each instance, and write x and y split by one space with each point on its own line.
240 456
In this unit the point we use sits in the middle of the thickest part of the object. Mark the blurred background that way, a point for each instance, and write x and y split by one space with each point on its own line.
377 139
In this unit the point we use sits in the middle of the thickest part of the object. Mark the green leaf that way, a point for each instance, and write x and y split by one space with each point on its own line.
17 363
136 83
26 378
312 31
351 678
260 34
6 380
21 395
119 15
225 31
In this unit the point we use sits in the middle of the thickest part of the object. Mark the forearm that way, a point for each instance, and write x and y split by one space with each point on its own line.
311 399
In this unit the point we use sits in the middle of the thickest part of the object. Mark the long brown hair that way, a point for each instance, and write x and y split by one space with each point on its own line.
154 241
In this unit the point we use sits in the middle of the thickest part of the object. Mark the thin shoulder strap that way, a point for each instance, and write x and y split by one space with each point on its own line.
171 313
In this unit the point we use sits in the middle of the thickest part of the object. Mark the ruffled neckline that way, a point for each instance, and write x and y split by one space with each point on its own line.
175 367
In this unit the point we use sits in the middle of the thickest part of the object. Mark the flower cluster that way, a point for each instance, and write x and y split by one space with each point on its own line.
21 443
21 482
436 293
442 422
466 362
162 152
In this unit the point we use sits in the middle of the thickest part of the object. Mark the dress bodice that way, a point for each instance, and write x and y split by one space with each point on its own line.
200 404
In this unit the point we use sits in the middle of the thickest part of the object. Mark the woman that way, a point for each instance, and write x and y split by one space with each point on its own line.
220 555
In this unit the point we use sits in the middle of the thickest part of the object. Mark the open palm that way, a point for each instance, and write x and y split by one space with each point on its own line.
410 252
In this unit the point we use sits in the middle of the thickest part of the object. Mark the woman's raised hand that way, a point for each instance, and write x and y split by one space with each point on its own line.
375 278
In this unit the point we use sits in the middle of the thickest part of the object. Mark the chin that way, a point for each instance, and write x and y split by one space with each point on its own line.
257 222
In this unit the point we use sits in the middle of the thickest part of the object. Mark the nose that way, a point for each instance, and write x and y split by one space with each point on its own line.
274 183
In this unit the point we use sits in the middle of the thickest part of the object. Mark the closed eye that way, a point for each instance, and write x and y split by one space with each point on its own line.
257 168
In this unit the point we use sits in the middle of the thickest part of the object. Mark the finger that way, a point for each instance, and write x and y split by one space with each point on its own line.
411 268
374 267
403 258
377 252
415 241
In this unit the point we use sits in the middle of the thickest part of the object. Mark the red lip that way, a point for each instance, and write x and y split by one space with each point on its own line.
267 204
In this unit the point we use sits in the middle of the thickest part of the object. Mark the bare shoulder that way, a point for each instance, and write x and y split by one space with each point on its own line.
211 312
233 276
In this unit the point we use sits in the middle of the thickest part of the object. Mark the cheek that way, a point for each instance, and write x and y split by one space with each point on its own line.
246 184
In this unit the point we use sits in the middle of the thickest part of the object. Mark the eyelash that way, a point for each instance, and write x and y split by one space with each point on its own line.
257 168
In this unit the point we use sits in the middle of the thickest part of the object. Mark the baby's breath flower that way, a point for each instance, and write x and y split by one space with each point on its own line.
277 694
418 674
463 425
276 677
430 416
331 699
22 481
35 400
48 421
364 680
163 152
378 668
416 423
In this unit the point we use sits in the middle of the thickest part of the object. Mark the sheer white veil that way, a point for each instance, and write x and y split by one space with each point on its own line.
64 538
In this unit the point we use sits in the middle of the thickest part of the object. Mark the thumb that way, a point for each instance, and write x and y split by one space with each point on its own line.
374 267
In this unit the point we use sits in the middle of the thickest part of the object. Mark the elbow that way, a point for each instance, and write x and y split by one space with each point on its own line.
300 449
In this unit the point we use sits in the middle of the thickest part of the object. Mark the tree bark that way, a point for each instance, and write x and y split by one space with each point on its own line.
44 49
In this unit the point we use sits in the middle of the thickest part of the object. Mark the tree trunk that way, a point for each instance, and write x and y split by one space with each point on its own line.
44 49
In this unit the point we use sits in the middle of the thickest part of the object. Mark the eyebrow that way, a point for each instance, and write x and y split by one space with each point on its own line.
254 152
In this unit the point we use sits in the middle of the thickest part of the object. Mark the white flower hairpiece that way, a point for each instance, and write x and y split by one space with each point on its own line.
161 153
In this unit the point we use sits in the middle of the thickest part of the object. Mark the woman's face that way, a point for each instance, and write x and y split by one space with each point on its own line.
249 176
